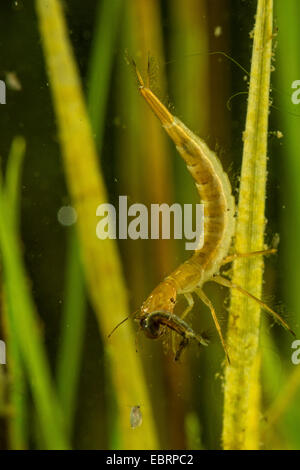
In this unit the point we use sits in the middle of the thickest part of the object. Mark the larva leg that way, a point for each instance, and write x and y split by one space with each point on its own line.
190 301
227 283
183 344
207 302
231 258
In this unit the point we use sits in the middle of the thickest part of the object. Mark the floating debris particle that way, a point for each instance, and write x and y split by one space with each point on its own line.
277 134
136 417
13 81
67 215
218 31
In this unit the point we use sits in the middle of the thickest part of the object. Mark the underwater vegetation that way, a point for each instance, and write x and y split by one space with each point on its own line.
76 134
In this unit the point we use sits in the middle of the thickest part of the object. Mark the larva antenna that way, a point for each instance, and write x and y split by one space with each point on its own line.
117 326
239 93
187 56
121 323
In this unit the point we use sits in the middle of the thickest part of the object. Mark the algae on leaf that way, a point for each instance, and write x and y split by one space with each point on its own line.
242 379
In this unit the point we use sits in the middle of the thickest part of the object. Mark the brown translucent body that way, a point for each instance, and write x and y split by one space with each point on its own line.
215 193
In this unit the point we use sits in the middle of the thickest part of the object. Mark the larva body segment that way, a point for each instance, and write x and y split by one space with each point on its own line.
214 190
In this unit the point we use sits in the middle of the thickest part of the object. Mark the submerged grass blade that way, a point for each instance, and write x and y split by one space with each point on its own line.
189 79
283 401
287 71
101 261
72 333
17 419
242 381
144 32
146 37
23 321
17 388
101 61
99 82
74 310
13 176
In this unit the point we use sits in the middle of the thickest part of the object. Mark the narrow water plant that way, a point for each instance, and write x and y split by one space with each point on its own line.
75 305
101 261
242 377
23 322
286 73
101 63
17 385
72 333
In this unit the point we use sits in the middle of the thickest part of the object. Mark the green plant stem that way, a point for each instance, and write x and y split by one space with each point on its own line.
72 333
24 329
242 383
74 309
17 419
100 257
100 65
287 71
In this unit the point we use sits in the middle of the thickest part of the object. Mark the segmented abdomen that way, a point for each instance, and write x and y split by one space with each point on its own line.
215 193
214 190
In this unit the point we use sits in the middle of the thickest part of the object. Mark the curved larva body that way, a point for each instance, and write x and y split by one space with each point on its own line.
157 312
215 193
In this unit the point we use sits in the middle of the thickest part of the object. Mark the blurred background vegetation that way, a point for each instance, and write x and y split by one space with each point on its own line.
196 81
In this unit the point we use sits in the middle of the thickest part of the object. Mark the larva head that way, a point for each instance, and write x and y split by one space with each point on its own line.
161 299
152 328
